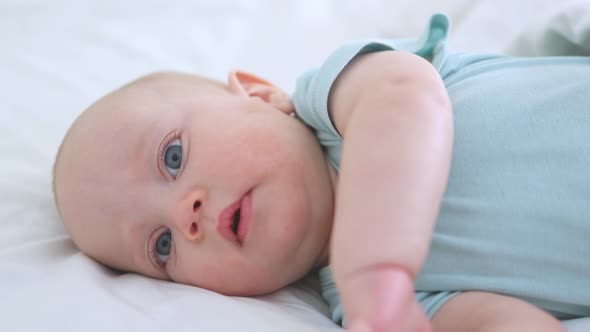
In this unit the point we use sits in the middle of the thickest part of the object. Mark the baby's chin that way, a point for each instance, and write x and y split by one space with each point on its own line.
244 285
258 288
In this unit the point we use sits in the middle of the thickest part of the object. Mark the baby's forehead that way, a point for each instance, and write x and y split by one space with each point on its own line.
98 169
117 114
102 141
155 93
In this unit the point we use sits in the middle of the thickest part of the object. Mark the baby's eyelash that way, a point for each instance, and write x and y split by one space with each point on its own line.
155 258
173 139
162 149
153 255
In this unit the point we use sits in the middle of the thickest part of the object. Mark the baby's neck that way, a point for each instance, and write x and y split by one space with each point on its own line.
324 257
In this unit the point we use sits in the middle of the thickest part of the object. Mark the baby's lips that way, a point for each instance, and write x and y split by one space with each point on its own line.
225 221
246 212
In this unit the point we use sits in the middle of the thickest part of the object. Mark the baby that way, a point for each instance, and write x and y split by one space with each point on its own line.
442 191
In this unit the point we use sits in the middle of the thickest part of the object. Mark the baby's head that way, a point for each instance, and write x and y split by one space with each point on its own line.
211 184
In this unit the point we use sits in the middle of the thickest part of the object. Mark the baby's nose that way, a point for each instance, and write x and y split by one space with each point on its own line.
188 215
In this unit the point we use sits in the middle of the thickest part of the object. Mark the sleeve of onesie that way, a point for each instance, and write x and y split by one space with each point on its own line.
313 87
311 105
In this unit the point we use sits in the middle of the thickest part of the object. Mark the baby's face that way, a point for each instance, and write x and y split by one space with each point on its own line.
196 183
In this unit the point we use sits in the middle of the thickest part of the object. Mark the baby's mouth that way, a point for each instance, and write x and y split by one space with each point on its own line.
236 222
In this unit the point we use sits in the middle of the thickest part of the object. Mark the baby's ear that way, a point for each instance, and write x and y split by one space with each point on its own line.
250 85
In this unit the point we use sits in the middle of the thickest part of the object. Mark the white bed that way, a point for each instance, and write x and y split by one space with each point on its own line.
58 56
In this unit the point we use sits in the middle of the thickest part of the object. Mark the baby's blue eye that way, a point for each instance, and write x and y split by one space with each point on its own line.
163 246
173 157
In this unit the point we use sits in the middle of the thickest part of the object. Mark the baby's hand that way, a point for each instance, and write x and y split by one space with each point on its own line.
385 302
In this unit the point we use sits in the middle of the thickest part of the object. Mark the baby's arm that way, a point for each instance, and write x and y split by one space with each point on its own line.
395 116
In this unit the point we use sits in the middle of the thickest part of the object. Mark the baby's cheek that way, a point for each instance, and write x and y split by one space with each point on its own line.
230 279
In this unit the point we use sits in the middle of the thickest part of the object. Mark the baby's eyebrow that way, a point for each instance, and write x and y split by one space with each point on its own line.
137 243
144 151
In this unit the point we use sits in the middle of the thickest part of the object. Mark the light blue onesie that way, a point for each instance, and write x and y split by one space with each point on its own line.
515 217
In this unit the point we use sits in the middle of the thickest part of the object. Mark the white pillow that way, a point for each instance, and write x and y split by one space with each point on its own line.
561 31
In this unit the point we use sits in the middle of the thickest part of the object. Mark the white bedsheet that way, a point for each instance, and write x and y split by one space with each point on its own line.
58 56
